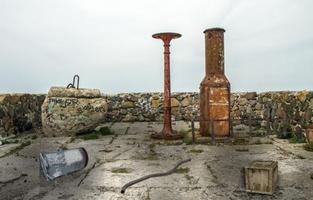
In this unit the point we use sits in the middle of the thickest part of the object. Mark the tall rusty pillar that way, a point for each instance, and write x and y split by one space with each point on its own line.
214 88
167 132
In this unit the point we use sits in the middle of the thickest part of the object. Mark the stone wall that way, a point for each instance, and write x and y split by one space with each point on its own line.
19 112
276 108
148 106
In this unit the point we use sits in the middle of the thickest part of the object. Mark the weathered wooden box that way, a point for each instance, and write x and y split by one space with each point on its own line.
261 177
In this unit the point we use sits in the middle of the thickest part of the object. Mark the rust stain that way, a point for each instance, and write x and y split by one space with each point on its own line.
214 88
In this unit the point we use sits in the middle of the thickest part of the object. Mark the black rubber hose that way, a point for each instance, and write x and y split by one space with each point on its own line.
153 175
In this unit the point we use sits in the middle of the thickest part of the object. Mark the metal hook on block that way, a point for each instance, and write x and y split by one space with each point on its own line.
72 85
74 78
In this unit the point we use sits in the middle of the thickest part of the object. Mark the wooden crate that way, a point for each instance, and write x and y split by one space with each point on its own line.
261 177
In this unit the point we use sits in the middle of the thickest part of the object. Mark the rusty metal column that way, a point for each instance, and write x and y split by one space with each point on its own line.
214 88
167 132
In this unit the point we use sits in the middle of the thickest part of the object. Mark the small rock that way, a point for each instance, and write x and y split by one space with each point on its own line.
234 108
155 103
311 103
251 95
185 102
241 127
132 98
302 95
252 102
263 123
128 104
258 106
242 101
174 102
129 118
155 97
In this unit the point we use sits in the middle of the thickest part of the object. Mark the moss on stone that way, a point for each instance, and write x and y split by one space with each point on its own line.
182 170
151 156
121 170
96 134
90 136
106 131
196 151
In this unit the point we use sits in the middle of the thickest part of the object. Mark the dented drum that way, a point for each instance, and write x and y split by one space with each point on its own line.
62 162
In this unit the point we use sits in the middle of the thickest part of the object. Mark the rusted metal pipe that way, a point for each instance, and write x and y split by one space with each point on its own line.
153 175
167 132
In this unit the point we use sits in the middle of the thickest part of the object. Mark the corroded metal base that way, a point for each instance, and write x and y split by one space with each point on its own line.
173 136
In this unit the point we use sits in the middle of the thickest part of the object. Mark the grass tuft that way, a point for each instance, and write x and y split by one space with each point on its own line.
308 146
106 131
294 139
187 139
182 170
96 134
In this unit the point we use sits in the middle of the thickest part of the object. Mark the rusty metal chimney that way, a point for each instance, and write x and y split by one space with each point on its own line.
214 88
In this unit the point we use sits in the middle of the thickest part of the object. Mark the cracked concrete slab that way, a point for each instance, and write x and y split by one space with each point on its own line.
6 149
215 171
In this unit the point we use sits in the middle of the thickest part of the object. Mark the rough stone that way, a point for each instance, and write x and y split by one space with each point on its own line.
71 114
130 118
19 112
174 102
155 103
302 95
72 92
242 101
251 95
258 106
185 102
128 104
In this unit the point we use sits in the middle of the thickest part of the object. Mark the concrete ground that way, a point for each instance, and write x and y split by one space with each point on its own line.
215 171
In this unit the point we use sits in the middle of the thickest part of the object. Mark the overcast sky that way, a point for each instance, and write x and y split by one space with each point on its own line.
268 44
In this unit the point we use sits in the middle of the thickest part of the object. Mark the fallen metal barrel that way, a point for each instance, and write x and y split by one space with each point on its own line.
62 162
